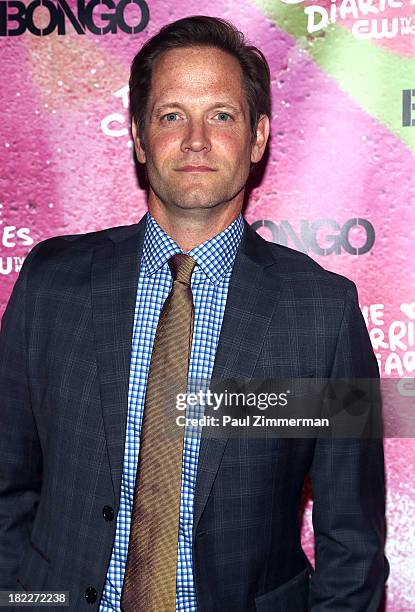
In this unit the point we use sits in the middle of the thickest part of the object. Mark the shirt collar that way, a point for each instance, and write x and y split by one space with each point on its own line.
214 257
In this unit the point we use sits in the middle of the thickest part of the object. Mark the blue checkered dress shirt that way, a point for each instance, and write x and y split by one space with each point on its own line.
210 282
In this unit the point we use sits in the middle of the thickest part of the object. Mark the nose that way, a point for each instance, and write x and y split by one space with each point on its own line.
196 137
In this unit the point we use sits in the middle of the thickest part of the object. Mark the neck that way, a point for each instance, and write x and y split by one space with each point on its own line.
191 227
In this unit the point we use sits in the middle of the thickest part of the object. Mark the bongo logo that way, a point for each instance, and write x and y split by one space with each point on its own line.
17 17
322 237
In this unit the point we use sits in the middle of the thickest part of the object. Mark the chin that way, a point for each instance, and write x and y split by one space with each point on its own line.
194 197
197 198
188 204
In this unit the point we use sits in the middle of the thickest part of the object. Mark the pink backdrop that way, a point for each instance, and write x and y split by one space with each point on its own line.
339 183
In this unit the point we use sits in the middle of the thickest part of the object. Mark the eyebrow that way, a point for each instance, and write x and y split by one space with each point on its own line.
222 104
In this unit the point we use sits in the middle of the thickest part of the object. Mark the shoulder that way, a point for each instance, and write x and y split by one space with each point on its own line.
68 244
72 249
299 273
65 261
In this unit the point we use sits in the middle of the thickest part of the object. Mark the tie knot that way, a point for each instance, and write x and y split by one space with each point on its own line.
181 267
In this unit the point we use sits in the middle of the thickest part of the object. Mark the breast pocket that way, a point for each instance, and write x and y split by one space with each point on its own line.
33 569
292 596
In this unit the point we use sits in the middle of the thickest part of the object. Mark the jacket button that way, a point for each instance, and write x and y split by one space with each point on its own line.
108 513
91 595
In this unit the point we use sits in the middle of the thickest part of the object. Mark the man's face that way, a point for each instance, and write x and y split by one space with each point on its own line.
197 115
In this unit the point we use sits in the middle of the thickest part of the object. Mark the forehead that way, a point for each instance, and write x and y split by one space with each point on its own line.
196 72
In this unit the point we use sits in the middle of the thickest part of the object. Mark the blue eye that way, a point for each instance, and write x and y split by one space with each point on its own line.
224 114
169 115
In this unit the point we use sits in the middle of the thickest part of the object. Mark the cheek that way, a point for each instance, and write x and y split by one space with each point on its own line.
234 147
162 145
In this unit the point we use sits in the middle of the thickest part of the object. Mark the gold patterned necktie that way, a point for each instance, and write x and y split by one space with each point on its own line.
150 573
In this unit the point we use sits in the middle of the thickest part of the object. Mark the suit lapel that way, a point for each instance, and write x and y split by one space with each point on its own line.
251 302
114 279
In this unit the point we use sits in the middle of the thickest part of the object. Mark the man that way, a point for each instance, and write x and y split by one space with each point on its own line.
90 501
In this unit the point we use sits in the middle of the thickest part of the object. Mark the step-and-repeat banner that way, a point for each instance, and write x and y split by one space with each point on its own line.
339 183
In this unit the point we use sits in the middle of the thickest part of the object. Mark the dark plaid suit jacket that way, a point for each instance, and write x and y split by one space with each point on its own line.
64 366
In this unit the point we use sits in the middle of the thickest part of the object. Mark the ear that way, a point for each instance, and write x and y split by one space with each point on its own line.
138 145
261 139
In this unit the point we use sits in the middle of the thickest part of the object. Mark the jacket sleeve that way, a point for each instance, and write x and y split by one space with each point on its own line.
20 451
348 482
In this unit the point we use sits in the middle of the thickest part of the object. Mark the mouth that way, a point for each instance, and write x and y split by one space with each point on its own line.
196 169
